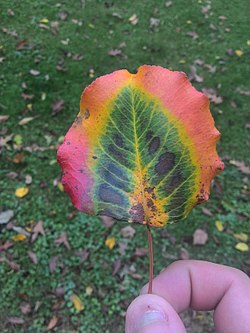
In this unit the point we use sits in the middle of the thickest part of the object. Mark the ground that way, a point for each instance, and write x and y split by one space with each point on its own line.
53 260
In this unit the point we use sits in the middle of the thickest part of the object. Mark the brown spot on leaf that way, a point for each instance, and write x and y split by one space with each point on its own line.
137 213
165 164
86 114
154 145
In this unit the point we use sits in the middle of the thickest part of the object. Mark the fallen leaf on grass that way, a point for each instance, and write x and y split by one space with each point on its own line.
16 320
241 237
206 211
22 45
193 34
154 22
18 158
52 323
141 252
27 96
21 192
200 237
115 52
110 242
78 304
243 247
28 179
38 229
133 19
212 95
60 186
57 106
63 240
219 225
25 121
6 216
53 264
107 221
89 290
128 232
6 246
194 76
25 308
19 238
34 72
4 118
33 257
239 53
168 3
241 166
116 266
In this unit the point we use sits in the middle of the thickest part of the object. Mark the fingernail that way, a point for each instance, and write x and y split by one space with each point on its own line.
152 316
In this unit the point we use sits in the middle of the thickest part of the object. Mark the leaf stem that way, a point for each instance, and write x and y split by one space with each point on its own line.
151 259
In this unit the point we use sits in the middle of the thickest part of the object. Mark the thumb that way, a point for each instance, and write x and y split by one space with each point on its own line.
152 314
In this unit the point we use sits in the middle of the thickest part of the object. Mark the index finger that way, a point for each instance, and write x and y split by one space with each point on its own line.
203 285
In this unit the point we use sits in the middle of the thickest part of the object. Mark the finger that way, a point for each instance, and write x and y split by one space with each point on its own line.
152 314
203 285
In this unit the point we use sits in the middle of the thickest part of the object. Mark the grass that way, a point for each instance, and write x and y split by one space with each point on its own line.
93 28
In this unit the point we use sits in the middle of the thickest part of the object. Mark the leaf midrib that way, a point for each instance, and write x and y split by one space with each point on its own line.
138 159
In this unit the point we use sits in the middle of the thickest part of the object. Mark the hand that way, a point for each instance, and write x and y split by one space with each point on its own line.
200 285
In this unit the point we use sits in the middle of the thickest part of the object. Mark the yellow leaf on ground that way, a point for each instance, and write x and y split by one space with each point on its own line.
248 42
242 247
60 186
21 192
44 20
219 226
110 242
239 53
78 304
241 237
19 238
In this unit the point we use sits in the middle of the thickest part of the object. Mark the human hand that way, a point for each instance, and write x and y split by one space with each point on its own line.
197 284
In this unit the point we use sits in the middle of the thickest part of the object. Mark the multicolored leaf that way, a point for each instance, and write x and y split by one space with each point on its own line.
142 148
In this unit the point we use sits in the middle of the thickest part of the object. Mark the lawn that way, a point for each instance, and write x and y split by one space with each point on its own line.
54 260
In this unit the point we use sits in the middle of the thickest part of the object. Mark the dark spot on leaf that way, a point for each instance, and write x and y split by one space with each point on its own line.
118 140
165 164
94 157
108 194
154 145
149 135
116 153
86 114
174 182
68 143
137 213
114 180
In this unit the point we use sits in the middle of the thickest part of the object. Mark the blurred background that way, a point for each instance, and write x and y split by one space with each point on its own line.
63 271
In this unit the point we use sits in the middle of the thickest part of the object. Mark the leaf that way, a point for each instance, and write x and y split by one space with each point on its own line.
241 237
241 166
21 192
133 19
110 242
57 107
52 323
200 237
78 304
16 320
3 118
239 53
33 257
142 148
34 72
25 308
243 247
6 216
19 237
63 240
25 121
128 232
37 230
219 226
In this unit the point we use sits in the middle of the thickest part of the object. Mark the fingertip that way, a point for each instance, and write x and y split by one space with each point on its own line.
152 314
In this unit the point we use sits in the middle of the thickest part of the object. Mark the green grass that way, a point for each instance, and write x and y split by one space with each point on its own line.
94 31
